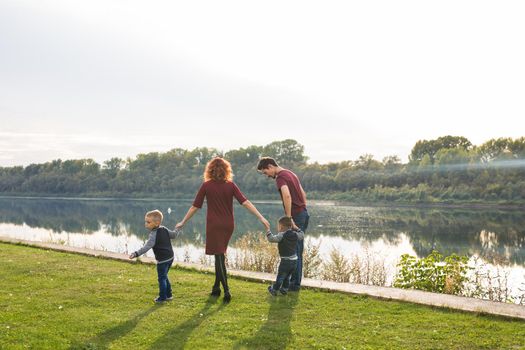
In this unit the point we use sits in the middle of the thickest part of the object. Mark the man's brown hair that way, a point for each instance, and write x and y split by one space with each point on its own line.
265 161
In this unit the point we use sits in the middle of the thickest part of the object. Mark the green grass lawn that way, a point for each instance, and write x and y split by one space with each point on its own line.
54 300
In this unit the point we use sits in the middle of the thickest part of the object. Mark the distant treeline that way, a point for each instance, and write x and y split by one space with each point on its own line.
447 169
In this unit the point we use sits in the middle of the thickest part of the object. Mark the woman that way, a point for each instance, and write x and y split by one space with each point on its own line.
219 191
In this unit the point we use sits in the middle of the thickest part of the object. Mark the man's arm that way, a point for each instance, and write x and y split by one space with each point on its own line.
287 200
304 193
287 203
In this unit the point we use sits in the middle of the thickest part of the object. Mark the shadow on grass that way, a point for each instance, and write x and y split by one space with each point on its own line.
276 333
104 339
176 338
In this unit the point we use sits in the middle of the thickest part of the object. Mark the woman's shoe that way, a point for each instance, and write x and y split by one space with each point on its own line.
227 296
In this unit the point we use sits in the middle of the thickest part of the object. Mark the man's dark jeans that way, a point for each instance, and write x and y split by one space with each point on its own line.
301 220
164 282
284 273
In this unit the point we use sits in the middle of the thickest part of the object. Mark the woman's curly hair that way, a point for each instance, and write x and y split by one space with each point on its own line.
218 169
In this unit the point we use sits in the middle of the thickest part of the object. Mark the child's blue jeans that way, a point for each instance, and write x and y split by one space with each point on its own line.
284 273
301 220
164 282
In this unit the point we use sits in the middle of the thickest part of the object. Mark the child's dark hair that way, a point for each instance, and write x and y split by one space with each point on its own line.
265 161
286 222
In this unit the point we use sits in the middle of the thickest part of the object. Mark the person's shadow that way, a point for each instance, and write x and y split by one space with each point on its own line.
104 339
276 332
176 338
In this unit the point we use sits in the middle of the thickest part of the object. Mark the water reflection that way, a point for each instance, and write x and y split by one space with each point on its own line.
496 235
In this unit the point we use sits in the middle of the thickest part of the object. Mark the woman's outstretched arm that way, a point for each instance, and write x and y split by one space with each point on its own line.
187 217
251 208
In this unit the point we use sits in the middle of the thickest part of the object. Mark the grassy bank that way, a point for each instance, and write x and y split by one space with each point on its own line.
57 301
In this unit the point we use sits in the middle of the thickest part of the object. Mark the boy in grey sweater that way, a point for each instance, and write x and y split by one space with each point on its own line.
286 239
160 240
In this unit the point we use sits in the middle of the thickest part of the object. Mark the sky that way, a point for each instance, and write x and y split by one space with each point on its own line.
102 79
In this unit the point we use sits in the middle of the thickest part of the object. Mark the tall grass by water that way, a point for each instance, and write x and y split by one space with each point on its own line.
462 276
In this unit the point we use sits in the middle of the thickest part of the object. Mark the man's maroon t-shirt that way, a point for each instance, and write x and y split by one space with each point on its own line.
288 178
219 217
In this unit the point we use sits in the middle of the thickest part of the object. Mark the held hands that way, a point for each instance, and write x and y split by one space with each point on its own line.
179 225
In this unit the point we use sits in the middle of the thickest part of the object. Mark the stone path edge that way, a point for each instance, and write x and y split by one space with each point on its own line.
387 293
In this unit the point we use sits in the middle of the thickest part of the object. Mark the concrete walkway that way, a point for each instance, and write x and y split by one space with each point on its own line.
408 295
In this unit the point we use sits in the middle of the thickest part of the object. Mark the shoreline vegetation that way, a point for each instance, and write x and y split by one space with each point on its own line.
110 306
449 170
454 274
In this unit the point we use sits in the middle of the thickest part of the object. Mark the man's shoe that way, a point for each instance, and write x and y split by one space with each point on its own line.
170 298
283 291
272 291
158 300
215 292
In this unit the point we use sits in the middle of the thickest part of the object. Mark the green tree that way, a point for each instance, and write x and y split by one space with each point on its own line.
392 163
430 148
493 149
367 162
452 156
288 152
113 166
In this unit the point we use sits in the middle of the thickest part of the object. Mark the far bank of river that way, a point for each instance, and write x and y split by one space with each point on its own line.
272 200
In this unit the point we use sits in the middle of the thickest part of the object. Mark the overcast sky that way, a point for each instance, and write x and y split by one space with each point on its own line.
98 79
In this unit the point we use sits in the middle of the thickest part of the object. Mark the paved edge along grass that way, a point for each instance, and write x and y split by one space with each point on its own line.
59 300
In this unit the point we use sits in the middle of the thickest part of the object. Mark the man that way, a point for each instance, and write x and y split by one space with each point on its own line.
294 203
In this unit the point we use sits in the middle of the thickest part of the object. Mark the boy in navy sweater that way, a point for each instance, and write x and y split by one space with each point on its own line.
286 239
160 240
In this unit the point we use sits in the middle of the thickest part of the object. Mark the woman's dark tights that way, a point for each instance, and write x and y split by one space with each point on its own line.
220 273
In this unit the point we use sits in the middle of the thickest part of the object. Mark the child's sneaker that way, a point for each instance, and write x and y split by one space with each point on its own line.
283 291
272 291
170 298
158 300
